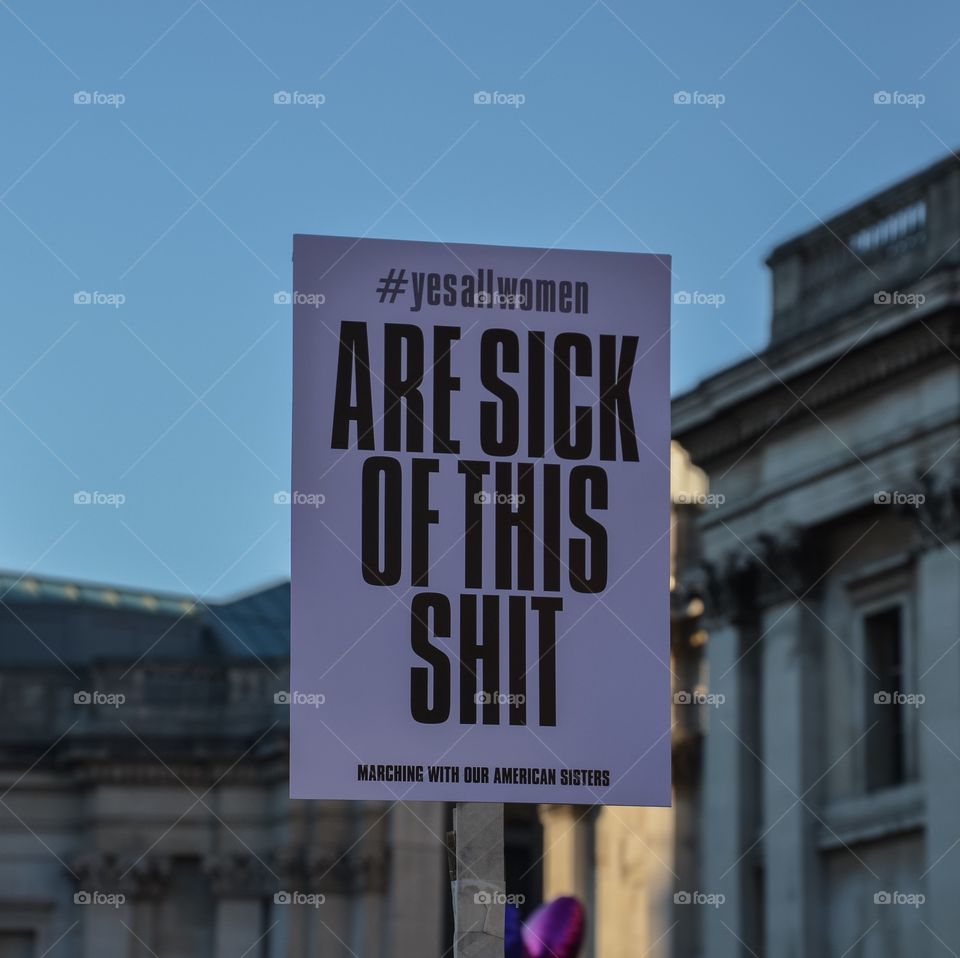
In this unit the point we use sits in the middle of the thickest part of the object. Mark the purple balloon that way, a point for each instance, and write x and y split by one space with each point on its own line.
555 930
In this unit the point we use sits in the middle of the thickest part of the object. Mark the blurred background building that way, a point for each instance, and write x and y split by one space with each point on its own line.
832 768
626 864
816 623
815 663
176 796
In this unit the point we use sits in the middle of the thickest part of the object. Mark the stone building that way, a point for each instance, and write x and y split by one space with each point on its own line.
831 770
626 864
144 804
815 664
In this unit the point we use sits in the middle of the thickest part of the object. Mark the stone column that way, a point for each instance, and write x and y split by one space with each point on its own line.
281 933
633 908
238 926
240 884
419 881
566 865
103 902
723 800
150 883
369 879
788 722
938 678
331 865
103 933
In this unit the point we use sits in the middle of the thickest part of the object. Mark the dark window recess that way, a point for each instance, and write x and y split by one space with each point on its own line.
886 742
17 944
523 854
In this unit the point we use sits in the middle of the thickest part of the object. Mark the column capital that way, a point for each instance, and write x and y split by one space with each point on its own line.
331 871
935 505
729 587
238 875
113 872
761 572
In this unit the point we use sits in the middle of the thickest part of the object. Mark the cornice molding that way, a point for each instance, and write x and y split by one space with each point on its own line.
733 430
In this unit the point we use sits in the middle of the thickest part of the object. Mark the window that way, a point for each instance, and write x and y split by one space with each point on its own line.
17 944
891 229
885 707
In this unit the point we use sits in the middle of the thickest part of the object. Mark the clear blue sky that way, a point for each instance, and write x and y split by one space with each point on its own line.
184 200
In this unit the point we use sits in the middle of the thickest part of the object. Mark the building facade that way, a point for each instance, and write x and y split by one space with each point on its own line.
144 804
628 864
815 663
831 579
